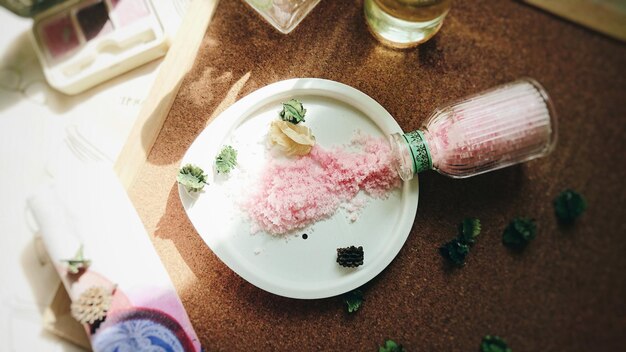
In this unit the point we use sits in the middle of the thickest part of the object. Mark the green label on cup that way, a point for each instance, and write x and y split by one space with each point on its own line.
419 150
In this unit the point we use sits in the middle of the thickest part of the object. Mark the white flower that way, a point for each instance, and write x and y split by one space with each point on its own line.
293 139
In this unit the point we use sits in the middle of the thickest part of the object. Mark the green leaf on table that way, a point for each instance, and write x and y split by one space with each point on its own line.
78 262
469 229
293 111
569 205
354 300
494 344
519 232
391 346
192 178
455 251
226 159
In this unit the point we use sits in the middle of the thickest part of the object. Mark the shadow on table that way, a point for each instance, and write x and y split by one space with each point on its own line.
216 280
235 60
22 80
481 194
444 202
43 280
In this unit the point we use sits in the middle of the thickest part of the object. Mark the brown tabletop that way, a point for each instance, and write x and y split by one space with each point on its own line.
565 292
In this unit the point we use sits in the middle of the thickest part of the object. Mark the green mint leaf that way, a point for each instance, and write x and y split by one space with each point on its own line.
226 160
494 344
354 300
78 262
519 232
192 178
469 229
391 346
293 112
455 251
569 205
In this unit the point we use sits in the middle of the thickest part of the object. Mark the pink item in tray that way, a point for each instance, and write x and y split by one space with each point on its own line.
129 11
94 20
59 35
295 193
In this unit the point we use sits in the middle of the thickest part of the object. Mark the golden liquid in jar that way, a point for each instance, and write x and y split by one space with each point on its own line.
414 10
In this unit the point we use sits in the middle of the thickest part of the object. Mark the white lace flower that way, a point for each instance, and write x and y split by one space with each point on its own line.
92 305
293 139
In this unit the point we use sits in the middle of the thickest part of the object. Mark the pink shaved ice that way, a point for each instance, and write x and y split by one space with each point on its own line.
294 193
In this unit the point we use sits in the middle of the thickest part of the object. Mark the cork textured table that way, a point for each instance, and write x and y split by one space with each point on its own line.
565 292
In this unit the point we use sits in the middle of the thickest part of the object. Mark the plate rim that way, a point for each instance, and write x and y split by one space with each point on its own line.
357 100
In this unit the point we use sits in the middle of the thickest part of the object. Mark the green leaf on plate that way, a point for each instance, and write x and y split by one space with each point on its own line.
192 178
226 160
293 111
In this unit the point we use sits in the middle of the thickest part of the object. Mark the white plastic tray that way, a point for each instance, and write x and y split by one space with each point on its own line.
291 266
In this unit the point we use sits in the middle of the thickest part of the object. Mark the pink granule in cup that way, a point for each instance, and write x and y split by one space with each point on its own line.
297 192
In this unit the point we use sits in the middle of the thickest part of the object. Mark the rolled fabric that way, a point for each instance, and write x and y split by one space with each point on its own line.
89 209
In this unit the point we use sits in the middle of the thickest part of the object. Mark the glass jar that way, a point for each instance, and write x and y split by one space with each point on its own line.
503 126
284 15
405 23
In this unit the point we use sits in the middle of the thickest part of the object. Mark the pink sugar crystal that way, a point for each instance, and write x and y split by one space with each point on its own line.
298 192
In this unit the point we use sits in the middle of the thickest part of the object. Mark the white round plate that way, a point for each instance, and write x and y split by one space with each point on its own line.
292 266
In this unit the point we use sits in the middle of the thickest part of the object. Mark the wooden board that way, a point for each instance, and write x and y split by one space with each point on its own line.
607 16
58 320
178 60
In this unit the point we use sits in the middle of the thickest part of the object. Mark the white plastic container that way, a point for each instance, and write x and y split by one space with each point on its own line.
83 43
